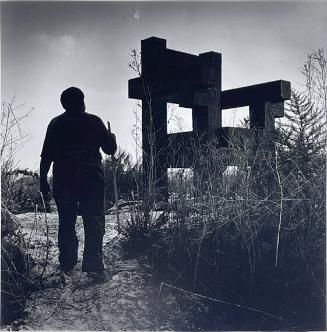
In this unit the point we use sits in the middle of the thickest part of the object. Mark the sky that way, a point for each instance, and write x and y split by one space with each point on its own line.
47 47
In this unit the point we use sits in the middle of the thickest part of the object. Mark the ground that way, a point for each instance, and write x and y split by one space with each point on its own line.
130 298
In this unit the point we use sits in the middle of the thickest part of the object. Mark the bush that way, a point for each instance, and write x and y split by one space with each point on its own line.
19 193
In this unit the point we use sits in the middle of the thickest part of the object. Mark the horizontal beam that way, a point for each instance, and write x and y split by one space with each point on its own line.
135 90
175 59
275 91
156 56
225 136
169 82
183 148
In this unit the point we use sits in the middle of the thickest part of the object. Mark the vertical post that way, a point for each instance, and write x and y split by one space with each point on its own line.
211 79
262 119
155 142
257 115
154 119
206 111
262 123
200 119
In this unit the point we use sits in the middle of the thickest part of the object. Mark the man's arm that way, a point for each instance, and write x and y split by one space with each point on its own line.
44 169
108 141
110 145
46 160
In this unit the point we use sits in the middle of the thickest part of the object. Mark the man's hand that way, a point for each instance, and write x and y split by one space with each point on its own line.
44 185
113 136
109 145
45 189
109 131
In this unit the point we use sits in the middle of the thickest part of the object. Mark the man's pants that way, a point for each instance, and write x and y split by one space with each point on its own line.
91 206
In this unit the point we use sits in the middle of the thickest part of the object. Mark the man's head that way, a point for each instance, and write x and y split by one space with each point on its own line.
72 100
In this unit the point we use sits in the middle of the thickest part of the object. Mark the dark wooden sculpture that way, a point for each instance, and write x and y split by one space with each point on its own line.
192 81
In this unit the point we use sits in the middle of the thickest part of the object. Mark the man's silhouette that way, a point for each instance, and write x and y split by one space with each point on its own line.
72 143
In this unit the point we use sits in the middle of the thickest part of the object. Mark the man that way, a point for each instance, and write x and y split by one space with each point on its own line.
72 143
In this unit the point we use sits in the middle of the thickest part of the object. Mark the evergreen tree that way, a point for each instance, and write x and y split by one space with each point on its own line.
303 133
126 174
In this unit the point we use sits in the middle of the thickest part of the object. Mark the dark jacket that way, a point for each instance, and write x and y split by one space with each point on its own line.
72 142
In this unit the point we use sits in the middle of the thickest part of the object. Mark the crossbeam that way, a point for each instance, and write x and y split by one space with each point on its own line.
184 147
166 82
275 91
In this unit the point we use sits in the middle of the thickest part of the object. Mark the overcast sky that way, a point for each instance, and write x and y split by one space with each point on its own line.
49 46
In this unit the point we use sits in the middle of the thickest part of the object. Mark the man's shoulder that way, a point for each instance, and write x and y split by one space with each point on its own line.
92 116
93 119
56 119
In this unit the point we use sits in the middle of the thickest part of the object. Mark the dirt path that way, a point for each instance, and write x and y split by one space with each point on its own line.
128 300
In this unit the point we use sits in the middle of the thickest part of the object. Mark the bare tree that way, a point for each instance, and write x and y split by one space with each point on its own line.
315 73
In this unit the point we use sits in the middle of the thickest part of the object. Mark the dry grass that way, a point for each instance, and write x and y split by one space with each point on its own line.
22 268
256 239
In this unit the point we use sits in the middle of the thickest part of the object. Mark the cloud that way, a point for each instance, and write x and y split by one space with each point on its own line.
137 14
64 45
